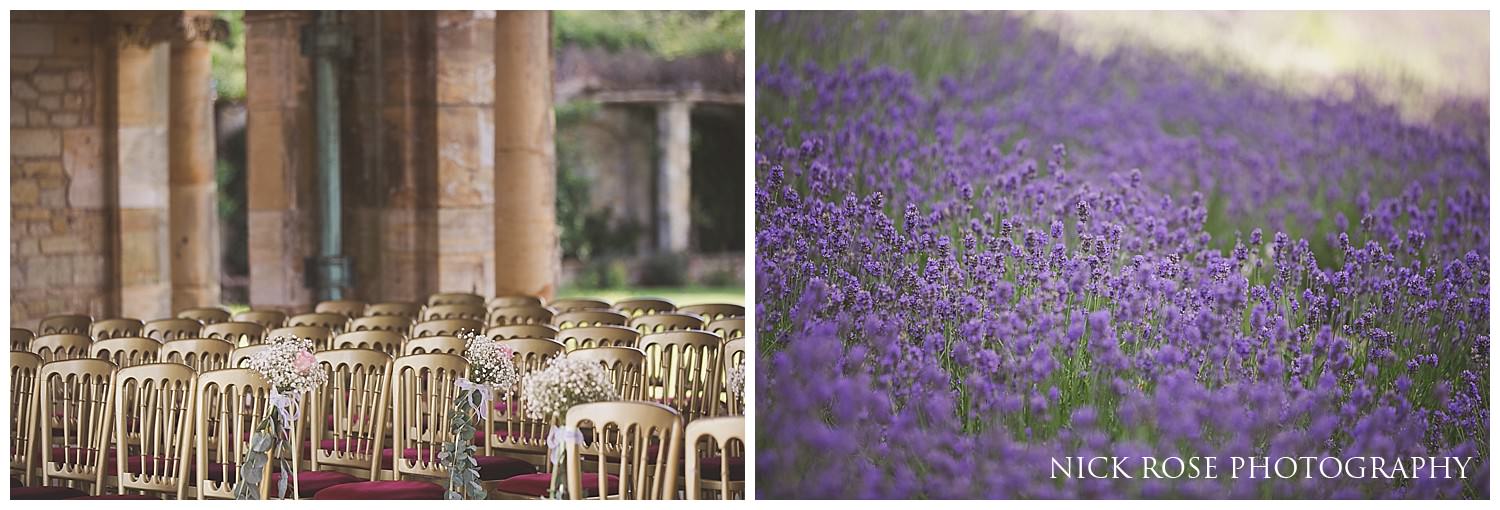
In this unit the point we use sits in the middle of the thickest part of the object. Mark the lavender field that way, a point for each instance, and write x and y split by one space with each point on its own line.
979 251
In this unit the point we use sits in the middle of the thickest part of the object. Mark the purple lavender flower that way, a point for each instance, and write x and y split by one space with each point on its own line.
941 315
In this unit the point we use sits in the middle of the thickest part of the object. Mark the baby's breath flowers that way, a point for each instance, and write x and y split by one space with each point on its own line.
289 365
491 365
490 362
735 378
564 383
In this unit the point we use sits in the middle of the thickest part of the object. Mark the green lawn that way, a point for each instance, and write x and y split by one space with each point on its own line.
677 295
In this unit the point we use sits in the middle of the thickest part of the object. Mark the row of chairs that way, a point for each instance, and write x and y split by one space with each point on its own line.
254 326
390 339
164 429
499 311
676 361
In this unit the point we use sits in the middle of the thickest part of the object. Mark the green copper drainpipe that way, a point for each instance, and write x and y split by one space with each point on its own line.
327 40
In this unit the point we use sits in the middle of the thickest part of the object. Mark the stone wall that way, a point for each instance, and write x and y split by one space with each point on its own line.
420 153
59 203
281 180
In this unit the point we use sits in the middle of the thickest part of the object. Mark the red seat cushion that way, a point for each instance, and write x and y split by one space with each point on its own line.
139 465
346 445
511 408
74 453
491 467
310 483
500 467
710 468
383 489
45 492
536 484
536 434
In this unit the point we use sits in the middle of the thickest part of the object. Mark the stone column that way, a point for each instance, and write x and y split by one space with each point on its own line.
673 177
141 107
194 222
526 243
281 183
465 137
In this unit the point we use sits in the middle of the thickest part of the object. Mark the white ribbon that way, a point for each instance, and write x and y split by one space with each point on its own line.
559 438
484 392
288 406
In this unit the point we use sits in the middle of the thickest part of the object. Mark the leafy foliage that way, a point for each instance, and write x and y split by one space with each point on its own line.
458 455
229 58
667 33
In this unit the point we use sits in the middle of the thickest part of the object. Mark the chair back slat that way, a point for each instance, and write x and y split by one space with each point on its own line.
666 321
67 323
713 311
126 351
455 298
513 301
73 430
236 332
331 321
349 415
636 307
20 339
520 331
719 441
730 328
153 410
24 369
206 316
166 330
60 346
520 315
202 354
509 429
734 356
578 304
346 307
322 338
622 437
395 308
240 356
388 342
230 404
396 323
422 393
588 318
625 366
598 336
115 328
443 312
445 327
268 319
682 371
446 344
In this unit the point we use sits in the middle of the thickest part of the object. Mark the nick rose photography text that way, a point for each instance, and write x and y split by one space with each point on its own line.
1261 467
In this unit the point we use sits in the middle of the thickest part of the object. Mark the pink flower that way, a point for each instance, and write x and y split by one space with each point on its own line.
304 362
505 351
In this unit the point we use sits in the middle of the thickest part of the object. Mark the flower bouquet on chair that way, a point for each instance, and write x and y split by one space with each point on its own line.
549 392
288 364
491 366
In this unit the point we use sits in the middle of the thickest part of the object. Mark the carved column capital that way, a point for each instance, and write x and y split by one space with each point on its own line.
146 29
